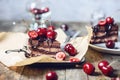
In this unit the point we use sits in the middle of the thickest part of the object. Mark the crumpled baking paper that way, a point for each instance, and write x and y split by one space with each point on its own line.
14 40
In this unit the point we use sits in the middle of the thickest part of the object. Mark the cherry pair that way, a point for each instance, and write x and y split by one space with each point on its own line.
61 56
39 11
108 20
104 66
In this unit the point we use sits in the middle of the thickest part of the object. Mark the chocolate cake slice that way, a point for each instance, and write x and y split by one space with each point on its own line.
40 48
43 42
105 30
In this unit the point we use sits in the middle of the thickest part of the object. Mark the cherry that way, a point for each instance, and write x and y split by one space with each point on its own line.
88 68
64 27
33 34
73 59
109 20
60 56
46 10
107 70
51 28
110 44
70 49
42 31
102 23
51 76
51 34
102 63
34 11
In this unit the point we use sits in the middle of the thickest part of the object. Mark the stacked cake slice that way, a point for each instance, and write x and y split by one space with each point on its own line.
105 30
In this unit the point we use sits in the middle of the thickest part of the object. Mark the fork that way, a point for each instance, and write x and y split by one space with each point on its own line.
68 39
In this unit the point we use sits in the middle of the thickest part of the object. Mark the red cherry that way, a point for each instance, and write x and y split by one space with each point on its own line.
51 76
60 56
102 23
42 31
107 70
73 59
40 11
109 20
88 68
67 46
46 10
33 34
51 28
64 27
51 34
34 11
70 49
110 44
102 63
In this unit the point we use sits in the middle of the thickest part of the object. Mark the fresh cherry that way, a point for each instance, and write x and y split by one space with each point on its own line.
107 70
42 31
88 68
35 10
51 27
102 63
110 44
51 34
64 27
60 56
109 20
102 23
70 49
32 34
51 76
73 59
46 10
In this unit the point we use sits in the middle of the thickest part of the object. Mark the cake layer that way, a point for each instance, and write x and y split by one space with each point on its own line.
104 34
44 48
104 39
111 27
105 30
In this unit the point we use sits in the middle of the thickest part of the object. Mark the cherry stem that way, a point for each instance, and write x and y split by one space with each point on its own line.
113 62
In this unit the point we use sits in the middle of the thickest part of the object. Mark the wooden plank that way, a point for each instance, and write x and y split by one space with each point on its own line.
37 73
10 73
95 57
75 74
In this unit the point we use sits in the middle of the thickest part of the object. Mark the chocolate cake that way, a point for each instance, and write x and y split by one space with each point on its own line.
40 48
43 42
104 30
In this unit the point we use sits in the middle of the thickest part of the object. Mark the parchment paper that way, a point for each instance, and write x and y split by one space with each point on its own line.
10 40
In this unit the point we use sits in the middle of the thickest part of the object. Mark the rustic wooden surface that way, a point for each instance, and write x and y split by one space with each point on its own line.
36 73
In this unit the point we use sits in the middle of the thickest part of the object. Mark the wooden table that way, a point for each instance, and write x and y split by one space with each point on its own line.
36 73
